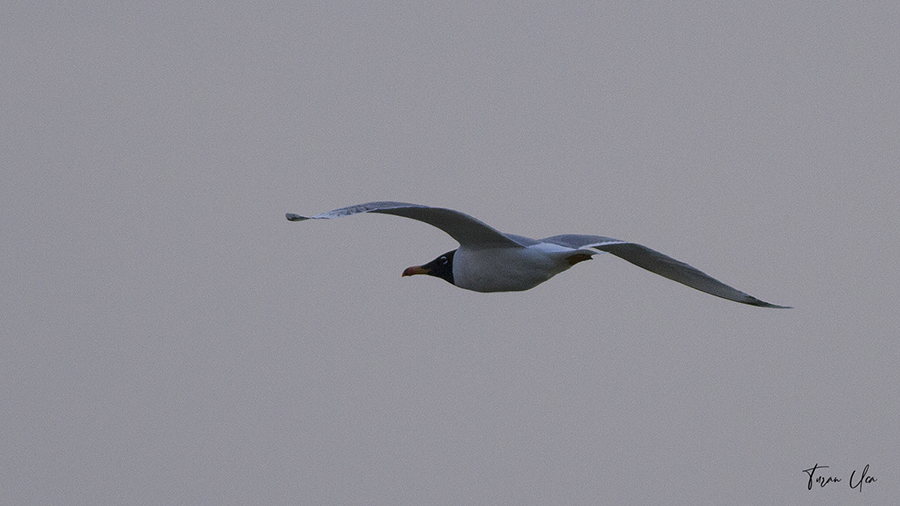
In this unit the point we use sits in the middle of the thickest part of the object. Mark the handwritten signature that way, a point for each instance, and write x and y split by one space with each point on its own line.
822 479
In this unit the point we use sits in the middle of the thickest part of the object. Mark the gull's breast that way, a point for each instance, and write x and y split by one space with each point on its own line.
508 269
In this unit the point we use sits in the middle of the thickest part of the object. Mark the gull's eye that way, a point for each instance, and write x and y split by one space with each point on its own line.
444 260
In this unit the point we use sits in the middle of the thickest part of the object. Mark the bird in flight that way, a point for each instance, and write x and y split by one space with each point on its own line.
490 261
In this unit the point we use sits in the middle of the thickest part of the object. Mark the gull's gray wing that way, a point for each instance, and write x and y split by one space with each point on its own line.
656 262
467 230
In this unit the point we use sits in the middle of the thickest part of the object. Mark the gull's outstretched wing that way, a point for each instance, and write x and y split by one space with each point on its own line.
467 230
658 263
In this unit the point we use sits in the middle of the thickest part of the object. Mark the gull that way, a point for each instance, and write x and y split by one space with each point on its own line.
488 260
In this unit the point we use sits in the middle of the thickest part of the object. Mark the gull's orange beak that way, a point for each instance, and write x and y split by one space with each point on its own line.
416 269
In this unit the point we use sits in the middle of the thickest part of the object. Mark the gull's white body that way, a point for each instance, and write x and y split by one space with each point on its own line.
510 269
488 260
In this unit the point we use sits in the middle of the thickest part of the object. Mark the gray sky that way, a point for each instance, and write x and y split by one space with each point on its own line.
169 338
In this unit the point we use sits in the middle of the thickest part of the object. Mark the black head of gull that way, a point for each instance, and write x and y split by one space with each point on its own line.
440 267
490 261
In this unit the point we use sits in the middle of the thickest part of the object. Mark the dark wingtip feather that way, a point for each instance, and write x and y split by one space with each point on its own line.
295 217
753 301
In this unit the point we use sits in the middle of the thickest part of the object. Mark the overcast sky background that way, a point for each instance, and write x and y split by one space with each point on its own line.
169 338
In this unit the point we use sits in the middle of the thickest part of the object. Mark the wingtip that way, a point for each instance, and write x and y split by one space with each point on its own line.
295 217
762 303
